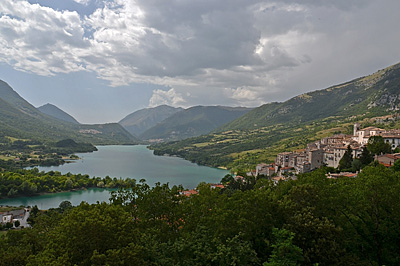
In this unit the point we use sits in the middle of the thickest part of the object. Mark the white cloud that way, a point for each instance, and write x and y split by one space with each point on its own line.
170 97
39 39
82 2
264 49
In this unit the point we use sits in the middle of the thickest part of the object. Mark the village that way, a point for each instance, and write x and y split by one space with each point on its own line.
328 152
325 152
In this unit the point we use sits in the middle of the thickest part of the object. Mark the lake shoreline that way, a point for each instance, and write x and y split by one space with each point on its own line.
122 162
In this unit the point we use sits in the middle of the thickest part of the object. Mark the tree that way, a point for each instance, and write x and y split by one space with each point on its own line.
366 157
377 145
9 225
396 166
17 223
356 165
227 179
65 205
347 159
284 251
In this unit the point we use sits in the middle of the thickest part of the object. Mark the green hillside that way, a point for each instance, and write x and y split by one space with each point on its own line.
56 112
376 94
20 120
193 121
267 130
140 121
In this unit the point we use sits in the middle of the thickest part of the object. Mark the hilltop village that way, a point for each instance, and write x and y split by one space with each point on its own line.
328 152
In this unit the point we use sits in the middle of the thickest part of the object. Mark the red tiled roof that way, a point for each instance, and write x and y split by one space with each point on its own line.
189 192
350 175
386 164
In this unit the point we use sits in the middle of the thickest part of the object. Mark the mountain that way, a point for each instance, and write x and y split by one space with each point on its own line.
275 127
140 121
192 122
375 94
56 112
10 96
21 120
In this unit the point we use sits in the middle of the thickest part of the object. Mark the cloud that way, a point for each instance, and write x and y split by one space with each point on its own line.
263 49
170 97
39 39
82 2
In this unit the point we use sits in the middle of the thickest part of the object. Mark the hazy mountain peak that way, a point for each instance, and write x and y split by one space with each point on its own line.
194 121
140 121
54 111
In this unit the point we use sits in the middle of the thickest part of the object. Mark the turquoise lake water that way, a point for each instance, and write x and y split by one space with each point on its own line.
122 161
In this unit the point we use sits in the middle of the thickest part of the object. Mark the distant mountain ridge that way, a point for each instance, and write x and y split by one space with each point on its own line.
275 127
378 93
140 121
56 112
193 121
20 119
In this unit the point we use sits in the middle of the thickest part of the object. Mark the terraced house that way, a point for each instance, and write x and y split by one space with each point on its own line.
329 151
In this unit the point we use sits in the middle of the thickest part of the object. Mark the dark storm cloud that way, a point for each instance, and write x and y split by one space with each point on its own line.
236 51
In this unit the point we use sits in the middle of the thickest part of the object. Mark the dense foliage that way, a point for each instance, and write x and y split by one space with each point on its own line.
30 182
348 221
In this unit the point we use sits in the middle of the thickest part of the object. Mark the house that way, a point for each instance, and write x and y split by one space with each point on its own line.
387 159
262 169
240 178
315 158
265 169
189 193
392 137
6 218
276 179
362 135
342 174
214 186
303 168
12 216
282 159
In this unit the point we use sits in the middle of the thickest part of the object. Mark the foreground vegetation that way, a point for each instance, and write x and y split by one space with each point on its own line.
20 153
21 182
311 220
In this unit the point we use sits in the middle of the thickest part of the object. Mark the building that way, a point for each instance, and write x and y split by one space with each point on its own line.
282 159
392 137
387 159
265 169
362 135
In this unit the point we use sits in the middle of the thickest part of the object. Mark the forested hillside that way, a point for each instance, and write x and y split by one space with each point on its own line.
20 120
272 128
311 221
56 112
140 121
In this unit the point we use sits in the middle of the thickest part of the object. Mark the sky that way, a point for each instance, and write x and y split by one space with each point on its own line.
101 60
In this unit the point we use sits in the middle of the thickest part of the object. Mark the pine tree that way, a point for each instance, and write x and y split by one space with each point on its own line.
347 159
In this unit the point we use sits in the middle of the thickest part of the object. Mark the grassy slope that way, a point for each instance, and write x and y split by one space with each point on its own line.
260 134
19 119
140 121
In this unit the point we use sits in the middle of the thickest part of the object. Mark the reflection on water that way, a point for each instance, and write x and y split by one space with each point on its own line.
53 200
122 161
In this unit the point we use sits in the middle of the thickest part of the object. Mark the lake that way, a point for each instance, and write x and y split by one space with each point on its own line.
136 162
